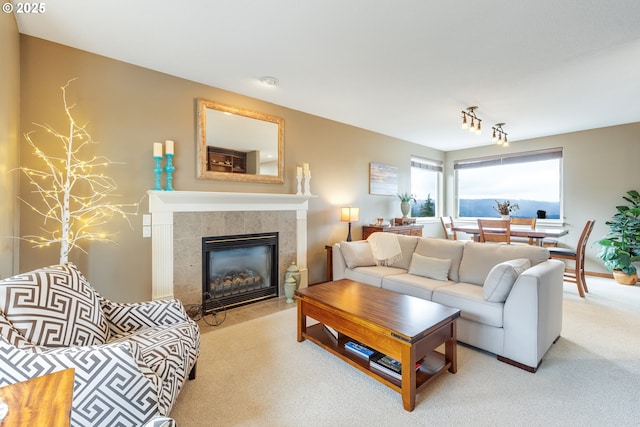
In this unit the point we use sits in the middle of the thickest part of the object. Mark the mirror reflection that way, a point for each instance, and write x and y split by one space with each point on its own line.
236 144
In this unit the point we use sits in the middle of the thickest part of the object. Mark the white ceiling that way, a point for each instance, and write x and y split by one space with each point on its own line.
404 68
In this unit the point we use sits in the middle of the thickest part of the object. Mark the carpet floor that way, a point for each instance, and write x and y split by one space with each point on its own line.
257 374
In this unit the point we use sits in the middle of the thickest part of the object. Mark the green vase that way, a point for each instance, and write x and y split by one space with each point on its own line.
289 289
405 207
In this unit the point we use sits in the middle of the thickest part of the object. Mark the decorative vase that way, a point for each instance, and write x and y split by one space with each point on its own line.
289 289
505 217
405 207
625 279
294 272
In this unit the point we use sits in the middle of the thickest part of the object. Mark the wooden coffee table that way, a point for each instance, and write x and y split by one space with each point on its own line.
403 327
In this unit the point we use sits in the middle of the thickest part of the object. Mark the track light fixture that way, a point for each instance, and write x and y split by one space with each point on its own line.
471 121
499 136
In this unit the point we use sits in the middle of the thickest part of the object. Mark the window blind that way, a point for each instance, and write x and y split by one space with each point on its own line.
428 164
509 159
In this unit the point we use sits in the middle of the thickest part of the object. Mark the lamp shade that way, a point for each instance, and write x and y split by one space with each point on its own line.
350 214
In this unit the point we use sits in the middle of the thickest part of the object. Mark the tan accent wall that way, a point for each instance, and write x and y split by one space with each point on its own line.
128 108
9 142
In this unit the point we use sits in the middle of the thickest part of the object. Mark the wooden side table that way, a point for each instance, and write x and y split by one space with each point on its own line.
407 230
41 401
329 249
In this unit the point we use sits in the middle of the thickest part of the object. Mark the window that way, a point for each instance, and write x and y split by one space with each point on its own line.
425 182
531 179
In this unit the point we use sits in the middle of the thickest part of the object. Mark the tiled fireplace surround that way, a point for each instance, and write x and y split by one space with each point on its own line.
181 218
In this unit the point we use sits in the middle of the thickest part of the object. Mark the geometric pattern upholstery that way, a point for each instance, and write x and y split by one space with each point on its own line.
130 364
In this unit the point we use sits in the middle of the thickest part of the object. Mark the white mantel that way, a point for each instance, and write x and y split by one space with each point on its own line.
163 204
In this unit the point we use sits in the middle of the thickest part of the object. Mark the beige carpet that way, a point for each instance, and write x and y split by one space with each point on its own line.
257 374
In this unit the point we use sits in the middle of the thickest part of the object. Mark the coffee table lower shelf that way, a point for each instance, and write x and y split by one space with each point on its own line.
318 335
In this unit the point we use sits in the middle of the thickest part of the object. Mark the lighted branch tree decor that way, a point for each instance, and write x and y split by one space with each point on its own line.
76 197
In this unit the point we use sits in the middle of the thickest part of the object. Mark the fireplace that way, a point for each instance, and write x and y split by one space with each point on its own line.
181 218
239 269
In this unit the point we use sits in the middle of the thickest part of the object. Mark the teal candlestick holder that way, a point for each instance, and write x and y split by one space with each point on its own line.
158 171
169 168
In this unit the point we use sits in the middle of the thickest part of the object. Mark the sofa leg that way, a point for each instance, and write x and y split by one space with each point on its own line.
192 374
518 364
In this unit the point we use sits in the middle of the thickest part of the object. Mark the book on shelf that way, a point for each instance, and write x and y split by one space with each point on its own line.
388 365
331 332
359 349
433 363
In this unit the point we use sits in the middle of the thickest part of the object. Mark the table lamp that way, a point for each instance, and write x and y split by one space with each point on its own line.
350 215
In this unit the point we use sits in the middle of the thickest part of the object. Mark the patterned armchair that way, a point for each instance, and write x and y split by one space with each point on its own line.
130 360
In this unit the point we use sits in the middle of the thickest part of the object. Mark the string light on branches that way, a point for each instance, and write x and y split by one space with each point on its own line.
76 198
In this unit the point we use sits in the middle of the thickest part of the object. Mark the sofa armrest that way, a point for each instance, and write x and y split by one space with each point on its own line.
533 313
124 318
339 264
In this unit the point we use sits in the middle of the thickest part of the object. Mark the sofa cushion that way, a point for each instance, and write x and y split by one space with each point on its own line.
433 268
443 249
371 275
470 300
407 247
479 258
357 254
410 284
54 306
501 278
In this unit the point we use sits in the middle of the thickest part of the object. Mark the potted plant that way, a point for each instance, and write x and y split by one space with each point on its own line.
405 203
621 246
505 208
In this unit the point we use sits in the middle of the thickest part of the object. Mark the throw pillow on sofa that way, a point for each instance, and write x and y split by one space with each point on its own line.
357 254
501 278
433 268
443 249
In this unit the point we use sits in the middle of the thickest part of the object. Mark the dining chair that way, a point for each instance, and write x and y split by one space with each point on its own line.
447 227
495 230
577 256
524 221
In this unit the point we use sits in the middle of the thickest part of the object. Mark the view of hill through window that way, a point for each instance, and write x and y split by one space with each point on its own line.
534 186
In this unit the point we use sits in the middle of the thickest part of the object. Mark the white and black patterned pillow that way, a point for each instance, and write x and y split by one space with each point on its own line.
54 306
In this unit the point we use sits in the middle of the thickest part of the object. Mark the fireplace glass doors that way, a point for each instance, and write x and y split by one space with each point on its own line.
238 270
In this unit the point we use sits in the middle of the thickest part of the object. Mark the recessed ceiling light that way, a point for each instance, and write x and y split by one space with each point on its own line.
269 81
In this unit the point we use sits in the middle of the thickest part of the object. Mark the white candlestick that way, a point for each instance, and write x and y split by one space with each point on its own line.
298 171
299 179
157 149
307 185
168 146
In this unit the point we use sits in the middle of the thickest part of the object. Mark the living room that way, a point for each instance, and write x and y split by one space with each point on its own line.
138 106
128 107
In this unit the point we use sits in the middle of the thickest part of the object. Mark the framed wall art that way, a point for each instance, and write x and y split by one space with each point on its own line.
383 179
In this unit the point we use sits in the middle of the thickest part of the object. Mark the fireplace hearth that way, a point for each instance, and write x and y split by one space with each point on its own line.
238 270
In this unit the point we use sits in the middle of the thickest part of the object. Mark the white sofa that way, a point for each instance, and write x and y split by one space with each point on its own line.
510 296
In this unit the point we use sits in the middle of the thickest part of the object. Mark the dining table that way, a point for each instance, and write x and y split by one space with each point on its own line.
537 234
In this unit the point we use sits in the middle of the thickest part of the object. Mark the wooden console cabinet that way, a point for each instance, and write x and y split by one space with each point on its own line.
407 230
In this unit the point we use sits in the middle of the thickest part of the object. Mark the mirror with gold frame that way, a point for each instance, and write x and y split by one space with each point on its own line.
236 144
